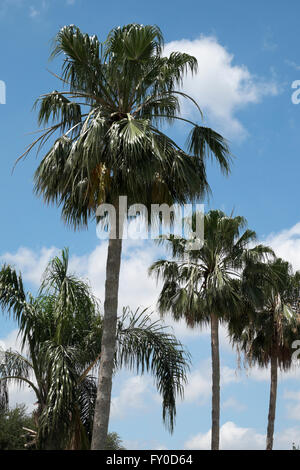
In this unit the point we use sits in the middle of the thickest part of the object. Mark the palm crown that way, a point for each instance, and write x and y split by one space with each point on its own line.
119 92
272 325
199 282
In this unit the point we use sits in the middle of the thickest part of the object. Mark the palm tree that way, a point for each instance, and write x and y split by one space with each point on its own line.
119 95
266 334
61 332
200 285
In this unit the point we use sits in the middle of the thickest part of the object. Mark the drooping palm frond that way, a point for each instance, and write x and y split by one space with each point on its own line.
12 295
71 296
145 345
15 368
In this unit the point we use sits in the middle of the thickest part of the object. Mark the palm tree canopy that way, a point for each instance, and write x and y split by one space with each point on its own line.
271 326
119 93
199 282
61 333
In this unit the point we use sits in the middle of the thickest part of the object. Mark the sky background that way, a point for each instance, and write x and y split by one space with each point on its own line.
247 62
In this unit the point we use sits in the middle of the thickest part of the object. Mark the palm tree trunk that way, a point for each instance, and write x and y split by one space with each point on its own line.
108 345
272 402
215 355
3 394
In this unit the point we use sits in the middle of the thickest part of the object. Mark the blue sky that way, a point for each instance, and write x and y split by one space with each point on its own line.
248 60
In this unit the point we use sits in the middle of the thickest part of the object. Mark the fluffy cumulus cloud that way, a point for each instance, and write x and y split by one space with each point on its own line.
220 86
286 244
198 388
234 437
30 263
11 341
134 395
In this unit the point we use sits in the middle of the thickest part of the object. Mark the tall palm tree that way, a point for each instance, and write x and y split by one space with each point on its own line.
61 332
200 285
266 334
119 95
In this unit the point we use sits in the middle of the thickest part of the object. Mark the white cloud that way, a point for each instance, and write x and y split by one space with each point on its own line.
221 87
198 388
22 395
286 244
11 341
285 439
133 396
31 263
232 437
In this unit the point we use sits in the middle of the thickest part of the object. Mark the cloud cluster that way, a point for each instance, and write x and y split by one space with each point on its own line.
234 437
286 244
134 395
31 263
220 86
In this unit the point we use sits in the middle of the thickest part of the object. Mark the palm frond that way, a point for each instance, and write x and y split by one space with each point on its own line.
145 345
